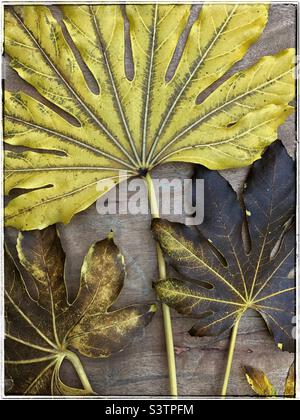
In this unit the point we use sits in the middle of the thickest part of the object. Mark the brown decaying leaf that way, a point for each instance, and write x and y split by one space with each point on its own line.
259 382
290 385
261 385
216 276
41 334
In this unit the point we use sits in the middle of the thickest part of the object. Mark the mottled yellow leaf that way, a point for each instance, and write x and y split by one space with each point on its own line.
41 334
132 119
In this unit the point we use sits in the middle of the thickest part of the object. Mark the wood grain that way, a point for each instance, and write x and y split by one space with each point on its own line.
142 369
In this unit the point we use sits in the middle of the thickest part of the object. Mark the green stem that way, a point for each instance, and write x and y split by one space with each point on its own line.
74 359
230 356
165 309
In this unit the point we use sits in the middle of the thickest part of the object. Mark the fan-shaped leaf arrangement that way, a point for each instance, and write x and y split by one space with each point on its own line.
218 281
132 122
41 334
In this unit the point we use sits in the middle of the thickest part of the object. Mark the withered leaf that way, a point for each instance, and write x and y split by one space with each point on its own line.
218 281
290 382
42 333
259 382
261 385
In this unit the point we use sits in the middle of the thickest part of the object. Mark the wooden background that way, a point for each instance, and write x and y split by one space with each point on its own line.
141 370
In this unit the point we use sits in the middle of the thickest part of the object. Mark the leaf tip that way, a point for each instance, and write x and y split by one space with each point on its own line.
259 382
111 235
153 308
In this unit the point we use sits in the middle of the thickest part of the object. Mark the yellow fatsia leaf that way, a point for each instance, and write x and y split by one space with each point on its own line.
131 122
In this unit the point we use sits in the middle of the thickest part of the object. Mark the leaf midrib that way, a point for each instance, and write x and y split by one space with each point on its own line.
201 298
148 90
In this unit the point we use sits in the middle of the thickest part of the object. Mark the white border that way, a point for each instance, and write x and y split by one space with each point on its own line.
193 398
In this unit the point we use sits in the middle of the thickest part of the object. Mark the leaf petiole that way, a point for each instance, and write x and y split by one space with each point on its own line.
165 309
230 356
74 359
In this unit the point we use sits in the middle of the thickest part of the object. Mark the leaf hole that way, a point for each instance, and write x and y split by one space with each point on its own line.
219 255
205 285
215 251
231 124
198 283
212 88
204 315
177 55
245 227
20 149
61 112
17 192
68 375
128 54
288 225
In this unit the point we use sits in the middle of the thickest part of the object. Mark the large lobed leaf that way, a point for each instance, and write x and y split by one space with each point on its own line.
218 280
42 333
133 122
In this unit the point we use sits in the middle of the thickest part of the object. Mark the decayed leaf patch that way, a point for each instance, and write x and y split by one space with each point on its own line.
42 333
259 382
261 385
